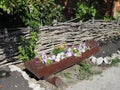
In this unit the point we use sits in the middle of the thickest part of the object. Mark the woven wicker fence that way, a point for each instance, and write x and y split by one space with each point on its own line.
70 33
9 41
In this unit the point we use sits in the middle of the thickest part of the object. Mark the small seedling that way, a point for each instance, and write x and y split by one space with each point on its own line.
68 75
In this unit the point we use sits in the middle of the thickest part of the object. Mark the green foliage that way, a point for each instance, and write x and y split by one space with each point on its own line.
68 75
85 66
33 12
57 50
76 51
84 70
117 15
50 11
26 48
107 18
119 30
40 58
84 12
5 6
34 36
49 62
114 62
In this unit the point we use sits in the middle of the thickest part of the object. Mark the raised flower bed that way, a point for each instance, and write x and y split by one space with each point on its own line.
41 70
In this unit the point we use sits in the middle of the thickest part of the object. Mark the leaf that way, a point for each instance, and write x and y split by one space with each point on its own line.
49 62
77 68
68 75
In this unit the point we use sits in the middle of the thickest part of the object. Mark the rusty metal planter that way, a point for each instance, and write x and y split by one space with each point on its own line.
41 70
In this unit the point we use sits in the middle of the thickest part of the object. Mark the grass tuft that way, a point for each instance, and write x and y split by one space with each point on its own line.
115 62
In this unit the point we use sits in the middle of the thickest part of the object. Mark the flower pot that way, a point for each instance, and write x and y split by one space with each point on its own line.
41 70
34 66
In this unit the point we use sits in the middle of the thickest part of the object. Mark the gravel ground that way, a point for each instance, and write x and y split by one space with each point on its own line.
108 80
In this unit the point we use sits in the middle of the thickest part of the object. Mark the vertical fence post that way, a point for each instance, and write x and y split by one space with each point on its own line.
7 41
93 22
118 21
80 27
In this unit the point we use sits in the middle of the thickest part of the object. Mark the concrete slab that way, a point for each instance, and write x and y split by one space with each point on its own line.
12 80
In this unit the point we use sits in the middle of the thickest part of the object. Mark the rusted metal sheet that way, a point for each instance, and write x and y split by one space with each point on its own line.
56 81
43 71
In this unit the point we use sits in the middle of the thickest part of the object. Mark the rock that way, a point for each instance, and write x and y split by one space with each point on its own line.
32 85
16 86
37 87
14 68
118 52
119 57
93 59
32 80
107 60
25 76
114 55
99 60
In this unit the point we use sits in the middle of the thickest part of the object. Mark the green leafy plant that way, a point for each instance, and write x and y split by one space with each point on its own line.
115 62
50 11
84 12
107 18
68 75
84 70
77 52
58 50
33 13
117 15
26 48
49 62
